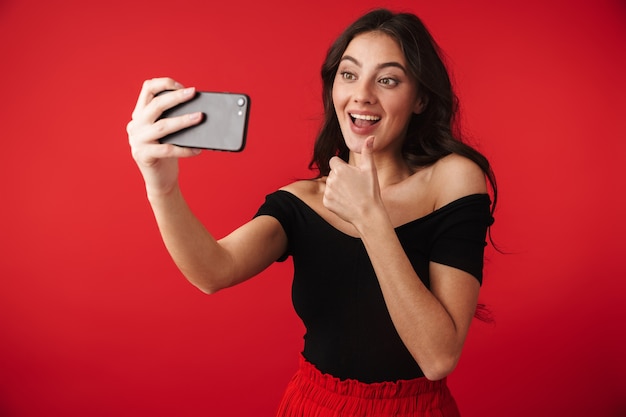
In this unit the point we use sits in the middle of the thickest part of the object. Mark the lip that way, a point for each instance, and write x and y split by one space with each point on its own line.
362 113
367 130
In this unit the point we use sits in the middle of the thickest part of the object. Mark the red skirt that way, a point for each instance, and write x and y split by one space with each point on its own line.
314 394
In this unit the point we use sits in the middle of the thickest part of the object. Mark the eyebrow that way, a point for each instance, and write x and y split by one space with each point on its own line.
379 66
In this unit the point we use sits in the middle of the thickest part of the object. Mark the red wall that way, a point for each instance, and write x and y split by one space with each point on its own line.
96 321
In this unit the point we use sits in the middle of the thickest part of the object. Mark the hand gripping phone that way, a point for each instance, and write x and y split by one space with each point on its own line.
224 123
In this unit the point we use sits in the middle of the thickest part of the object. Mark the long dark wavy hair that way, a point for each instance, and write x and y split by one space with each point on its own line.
432 134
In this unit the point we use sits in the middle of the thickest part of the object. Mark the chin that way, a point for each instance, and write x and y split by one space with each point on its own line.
355 146
353 142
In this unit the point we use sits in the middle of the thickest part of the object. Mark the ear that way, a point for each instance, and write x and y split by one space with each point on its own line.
420 104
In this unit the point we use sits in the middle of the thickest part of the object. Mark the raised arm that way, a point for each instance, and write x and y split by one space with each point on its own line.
432 322
207 263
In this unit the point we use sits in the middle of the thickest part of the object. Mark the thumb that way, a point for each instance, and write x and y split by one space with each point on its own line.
367 154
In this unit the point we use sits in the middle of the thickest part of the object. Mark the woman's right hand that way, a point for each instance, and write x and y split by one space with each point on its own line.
158 162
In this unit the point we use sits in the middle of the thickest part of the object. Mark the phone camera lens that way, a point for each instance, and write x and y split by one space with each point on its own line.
241 101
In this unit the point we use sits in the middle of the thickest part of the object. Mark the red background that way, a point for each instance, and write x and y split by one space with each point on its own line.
96 321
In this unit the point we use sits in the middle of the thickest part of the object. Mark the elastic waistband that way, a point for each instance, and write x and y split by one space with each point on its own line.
314 393
376 390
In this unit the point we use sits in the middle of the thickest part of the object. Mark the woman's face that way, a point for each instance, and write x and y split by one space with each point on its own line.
374 94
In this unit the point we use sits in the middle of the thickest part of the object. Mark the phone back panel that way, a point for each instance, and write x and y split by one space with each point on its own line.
224 125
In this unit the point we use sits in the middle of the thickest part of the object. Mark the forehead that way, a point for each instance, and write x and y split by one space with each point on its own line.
375 46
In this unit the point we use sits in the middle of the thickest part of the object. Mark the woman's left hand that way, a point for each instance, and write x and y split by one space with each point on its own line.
352 192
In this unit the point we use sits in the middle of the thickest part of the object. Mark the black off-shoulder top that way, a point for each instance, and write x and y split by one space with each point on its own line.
349 333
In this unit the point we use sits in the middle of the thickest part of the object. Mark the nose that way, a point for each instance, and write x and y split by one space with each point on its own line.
364 92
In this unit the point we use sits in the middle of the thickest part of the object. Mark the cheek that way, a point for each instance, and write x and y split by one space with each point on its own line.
403 110
338 102
336 94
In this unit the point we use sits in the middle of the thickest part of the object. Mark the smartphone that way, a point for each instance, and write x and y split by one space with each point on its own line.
224 123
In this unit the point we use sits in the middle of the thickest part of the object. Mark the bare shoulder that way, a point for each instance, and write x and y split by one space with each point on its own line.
311 192
456 176
306 190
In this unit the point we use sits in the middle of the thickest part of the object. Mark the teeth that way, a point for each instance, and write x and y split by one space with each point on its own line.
365 117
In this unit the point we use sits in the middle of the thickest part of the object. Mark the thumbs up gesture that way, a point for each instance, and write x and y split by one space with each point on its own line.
353 191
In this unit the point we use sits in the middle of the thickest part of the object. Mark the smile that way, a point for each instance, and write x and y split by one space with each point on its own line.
363 120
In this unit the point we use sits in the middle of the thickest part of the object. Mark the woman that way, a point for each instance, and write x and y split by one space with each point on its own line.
387 241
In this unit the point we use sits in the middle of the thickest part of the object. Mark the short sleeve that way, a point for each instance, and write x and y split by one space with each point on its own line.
277 205
460 238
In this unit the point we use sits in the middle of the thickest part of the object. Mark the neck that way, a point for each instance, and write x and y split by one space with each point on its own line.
390 170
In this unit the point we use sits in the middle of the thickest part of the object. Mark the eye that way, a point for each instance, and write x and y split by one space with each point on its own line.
388 82
347 75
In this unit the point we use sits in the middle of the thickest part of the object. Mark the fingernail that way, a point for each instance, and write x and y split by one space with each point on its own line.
178 85
195 116
188 91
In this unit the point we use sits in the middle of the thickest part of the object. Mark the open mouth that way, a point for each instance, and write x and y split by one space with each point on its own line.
364 120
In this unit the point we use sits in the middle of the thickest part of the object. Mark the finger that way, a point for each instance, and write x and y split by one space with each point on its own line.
335 162
150 154
173 151
152 87
163 127
154 110
367 154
